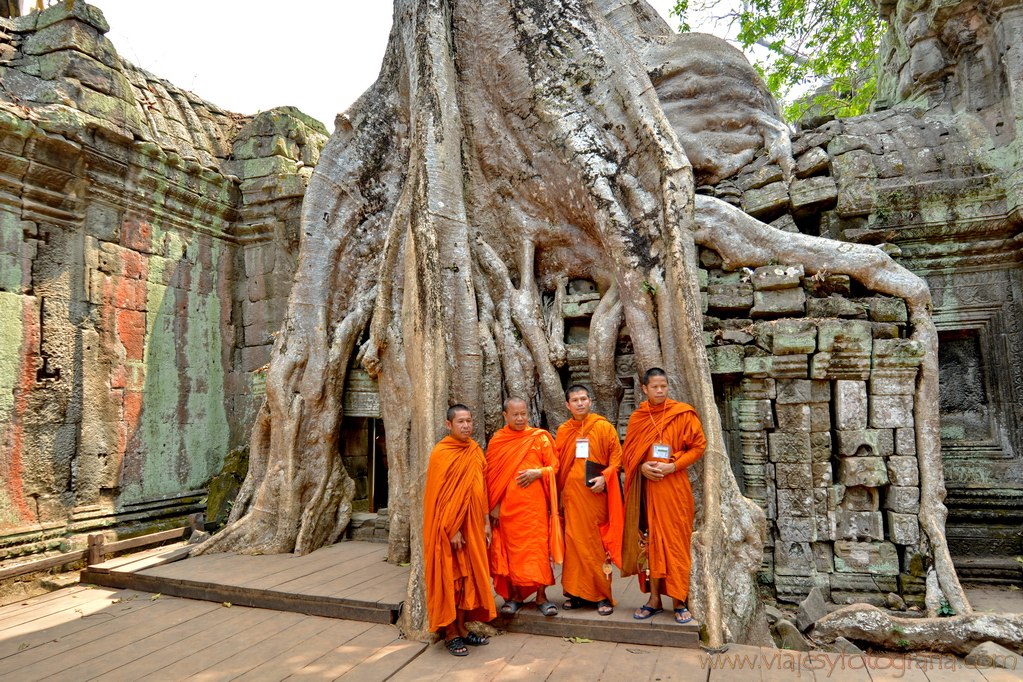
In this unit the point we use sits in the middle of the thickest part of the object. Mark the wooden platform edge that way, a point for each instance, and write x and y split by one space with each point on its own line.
681 637
328 607
158 556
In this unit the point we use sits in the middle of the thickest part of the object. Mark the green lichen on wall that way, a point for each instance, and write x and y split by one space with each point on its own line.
184 430
206 437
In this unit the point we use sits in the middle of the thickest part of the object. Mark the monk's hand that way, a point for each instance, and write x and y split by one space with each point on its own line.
527 476
457 541
654 471
597 484
495 516
486 533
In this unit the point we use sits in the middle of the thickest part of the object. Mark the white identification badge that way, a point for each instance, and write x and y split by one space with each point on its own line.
660 451
582 448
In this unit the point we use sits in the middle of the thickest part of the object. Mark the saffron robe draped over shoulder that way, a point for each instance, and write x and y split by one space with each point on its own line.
528 533
456 500
593 521
669 502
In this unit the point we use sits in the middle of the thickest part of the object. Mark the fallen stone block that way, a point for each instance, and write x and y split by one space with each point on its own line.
811 609
787 636
991 655
844 646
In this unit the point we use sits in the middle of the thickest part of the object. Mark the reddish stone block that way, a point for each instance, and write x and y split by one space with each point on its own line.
134 265
131 330
130 294
132 409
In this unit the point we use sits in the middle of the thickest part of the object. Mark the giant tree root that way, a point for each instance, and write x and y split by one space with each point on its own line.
955 635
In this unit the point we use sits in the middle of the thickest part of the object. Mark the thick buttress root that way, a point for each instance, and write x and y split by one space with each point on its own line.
955 635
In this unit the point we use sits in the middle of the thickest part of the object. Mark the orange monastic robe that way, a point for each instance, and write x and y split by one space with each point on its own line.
668 502
528 534
456 499
593 522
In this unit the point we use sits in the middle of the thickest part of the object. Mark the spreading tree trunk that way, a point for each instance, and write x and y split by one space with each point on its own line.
506 147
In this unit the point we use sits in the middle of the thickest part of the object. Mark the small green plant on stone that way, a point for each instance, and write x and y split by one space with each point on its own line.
945 609
902 643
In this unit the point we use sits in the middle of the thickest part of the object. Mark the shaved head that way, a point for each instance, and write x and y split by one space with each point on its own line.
508 402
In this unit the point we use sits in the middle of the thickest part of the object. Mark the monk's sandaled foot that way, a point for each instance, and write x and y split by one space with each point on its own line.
456 647
572 603
548 608
511 607
474 639
682 615
604 607
646 611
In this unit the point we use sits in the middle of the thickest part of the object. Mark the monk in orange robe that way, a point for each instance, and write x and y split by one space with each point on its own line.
662 439
594 513
456 533
522 489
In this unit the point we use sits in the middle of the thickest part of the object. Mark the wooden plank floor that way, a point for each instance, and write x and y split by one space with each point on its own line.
115 635
352 580
84 633
528 657
346 580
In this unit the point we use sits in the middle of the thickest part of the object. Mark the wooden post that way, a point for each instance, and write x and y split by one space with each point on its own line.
95 549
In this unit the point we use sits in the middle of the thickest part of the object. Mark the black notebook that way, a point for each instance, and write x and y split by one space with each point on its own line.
593 469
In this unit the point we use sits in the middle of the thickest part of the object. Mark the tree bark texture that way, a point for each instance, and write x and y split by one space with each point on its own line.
506 147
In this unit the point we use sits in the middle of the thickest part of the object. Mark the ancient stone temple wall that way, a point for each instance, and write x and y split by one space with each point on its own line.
815 383
935 189
146 239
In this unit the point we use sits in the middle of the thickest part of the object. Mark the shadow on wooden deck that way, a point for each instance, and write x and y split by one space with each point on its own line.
352 580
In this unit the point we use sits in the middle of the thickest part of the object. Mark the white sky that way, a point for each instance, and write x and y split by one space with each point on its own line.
252 55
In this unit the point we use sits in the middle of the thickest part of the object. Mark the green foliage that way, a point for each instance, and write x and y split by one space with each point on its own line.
945 609
834 41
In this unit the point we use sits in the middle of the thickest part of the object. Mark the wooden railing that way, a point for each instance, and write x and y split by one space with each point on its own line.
98 548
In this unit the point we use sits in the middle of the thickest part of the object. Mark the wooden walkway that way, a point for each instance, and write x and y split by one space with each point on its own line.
347 580
352 580
523 657
95 633
87 633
